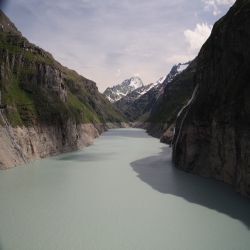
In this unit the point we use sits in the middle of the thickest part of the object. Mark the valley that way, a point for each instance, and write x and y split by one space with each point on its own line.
137 164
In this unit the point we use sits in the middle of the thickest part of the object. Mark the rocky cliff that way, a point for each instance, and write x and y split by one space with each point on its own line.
177 90
212 137
46 108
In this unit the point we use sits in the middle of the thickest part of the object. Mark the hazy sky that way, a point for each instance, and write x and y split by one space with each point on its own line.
111 40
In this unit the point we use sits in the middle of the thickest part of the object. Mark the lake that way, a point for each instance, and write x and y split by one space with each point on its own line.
122 193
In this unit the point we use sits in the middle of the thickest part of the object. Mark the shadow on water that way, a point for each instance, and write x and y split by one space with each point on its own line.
158 172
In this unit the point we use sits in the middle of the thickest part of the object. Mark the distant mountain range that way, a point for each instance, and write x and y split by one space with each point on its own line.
135 99
132 88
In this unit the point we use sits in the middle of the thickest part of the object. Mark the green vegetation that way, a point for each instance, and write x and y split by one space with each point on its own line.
36 88
22 111
80 111
18 45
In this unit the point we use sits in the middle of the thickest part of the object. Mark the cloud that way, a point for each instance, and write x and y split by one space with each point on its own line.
108 41
197 37
214 5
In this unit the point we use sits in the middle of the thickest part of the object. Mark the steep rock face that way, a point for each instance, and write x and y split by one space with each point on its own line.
45 103
178 88
21 144
212 138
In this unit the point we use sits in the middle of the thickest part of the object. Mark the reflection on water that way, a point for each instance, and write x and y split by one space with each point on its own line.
121 193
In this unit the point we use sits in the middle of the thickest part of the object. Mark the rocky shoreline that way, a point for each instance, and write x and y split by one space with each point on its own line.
21 145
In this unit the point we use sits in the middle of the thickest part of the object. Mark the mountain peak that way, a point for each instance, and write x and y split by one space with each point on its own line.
176 70
135 82
117 92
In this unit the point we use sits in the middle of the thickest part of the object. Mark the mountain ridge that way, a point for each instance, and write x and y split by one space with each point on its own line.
44 100
117 92
139 104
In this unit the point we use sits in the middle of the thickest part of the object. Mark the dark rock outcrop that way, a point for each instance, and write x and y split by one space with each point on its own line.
165 109
212 137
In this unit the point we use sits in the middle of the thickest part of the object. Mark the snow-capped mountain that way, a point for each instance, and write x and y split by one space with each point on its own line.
176 70
117 92
137 93
140 101
133 88
165 80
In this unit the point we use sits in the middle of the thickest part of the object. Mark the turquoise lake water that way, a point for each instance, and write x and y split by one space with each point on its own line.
122 193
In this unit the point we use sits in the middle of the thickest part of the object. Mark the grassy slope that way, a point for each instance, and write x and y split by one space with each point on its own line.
27 106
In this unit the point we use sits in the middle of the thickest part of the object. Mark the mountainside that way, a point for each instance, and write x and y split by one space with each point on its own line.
138 104
176 70
212 137
177 91
117 92
132 105
38 92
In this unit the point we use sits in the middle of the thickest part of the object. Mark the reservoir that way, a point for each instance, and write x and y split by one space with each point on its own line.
121 193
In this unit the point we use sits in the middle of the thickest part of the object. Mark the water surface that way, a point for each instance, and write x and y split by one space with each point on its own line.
119 194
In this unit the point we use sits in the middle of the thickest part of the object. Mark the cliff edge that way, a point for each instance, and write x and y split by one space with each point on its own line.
212 135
